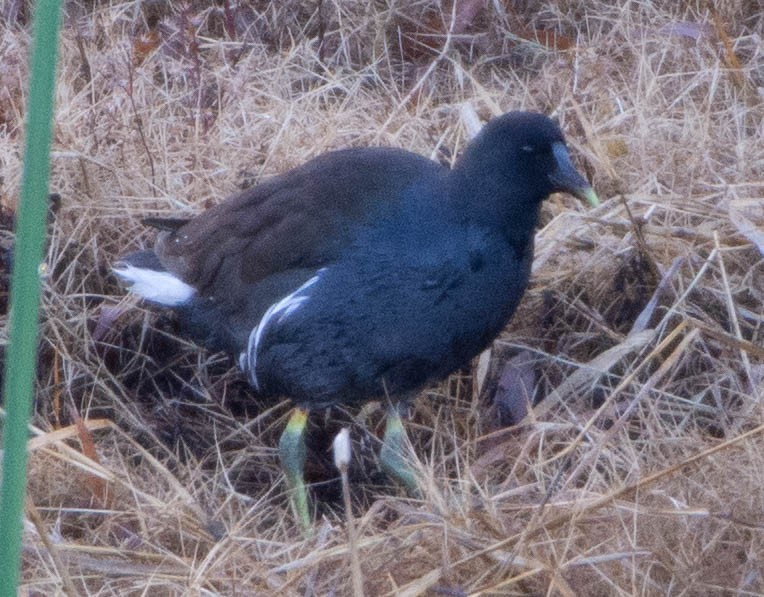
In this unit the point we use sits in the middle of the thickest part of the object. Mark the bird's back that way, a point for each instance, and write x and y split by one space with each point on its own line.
246 253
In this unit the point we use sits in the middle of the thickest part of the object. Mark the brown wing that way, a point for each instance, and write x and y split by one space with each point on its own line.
300 220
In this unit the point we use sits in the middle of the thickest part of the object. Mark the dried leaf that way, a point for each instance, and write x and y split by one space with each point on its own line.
516 386
465 14
685 29
481 371
729 56
143 46
106 320
747 215
470 120
549 39
97 485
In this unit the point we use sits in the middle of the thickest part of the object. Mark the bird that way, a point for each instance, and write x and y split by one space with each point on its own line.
363 274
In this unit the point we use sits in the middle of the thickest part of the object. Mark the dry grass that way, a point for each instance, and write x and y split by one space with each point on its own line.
641 472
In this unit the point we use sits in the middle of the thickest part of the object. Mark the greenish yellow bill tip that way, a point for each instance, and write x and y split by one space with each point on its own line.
589 195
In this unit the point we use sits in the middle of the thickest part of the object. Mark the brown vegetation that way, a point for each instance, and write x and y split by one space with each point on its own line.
640 471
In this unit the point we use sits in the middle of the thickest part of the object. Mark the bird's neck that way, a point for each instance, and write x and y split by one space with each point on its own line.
493 202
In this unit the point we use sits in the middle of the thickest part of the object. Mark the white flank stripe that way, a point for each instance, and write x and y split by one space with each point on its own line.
155 286
279 312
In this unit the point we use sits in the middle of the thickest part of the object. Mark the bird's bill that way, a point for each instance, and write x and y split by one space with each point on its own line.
587 194
566 178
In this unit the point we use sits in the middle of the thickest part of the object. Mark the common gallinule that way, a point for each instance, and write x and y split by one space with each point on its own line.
364 273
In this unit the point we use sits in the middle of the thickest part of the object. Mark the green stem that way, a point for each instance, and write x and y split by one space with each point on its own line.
25 290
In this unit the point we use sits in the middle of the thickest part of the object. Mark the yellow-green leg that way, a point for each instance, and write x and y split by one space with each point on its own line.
292 454
394 452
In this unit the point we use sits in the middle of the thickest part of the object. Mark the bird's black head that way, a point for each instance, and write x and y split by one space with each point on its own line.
519 159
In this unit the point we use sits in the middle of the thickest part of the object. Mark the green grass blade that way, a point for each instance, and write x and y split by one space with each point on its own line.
25 290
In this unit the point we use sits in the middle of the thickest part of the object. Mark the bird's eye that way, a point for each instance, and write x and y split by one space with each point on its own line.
528 148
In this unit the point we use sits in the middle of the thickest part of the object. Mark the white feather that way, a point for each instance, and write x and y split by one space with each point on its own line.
158 287
277 312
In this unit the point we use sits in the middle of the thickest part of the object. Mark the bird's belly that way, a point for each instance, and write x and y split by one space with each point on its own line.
360 336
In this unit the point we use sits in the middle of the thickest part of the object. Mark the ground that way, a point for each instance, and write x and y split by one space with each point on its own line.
637 467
